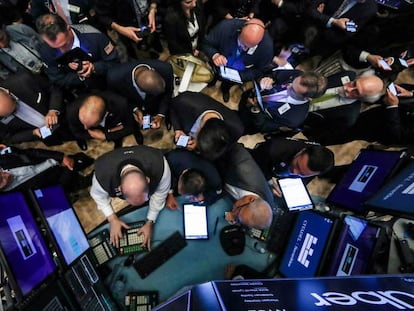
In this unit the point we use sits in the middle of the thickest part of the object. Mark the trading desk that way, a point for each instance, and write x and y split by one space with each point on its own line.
198 262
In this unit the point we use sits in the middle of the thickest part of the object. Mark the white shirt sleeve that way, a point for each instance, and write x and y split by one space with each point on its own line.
101 197
157 199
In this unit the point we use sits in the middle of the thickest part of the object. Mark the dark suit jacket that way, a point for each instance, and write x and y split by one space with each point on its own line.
276 154
31 156
36 93
188 106
222 7
118 114
223 39
120 81
176 33
180 160
238 168
39 7
272 120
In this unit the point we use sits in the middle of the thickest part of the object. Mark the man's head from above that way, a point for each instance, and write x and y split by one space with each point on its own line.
5 179
92 111
311 161
213 139
308 85
251 34
55 32
149 80
4 39
251 211
8 103
365 88
134 185
192 182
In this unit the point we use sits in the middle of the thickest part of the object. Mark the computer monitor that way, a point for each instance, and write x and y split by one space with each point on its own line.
307 245
396 197
62 222
22 244
364 177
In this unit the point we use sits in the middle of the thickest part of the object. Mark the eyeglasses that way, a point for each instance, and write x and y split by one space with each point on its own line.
236 210
352 89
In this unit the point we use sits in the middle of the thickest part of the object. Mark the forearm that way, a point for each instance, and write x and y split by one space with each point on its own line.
158 198
101 197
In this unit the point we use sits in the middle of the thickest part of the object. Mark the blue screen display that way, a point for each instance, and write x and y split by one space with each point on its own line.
306 245
364 177
62 221
22 244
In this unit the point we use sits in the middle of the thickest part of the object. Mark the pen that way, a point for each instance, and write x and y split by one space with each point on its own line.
215 226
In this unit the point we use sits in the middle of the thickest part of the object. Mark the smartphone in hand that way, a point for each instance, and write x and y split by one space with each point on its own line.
146 124
183 141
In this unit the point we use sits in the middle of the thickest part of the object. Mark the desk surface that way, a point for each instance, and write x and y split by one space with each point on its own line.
198 262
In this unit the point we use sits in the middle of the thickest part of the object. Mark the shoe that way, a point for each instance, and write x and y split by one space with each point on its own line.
81 161
226 95
82 144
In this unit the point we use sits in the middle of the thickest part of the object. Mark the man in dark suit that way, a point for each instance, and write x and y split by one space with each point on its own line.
332 114
60 38
103 116
241 45
330 20
285 98
28 104
190 114
193 177
147 84
245 182
134 174
22 169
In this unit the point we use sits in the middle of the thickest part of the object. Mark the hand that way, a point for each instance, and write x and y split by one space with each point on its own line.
36 132
129 32
410 61
340 22
139 117
266 83
68 162
87 69
320 8
374 60
171 202
3 146
116 128
51 118
390 99
192 144
177 135
402 92
151 20
115 229
97 134
196 52
219 60
276 2
146 230
279 61
156 122
275 188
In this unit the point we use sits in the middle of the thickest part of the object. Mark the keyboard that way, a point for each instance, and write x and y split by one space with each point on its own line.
130 243
160 254
280 231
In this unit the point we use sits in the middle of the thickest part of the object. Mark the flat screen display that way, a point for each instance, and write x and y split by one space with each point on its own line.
23 246
62 222
295 194
195 222
306 245
364 177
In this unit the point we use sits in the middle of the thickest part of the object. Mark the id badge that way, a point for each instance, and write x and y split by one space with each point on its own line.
282 109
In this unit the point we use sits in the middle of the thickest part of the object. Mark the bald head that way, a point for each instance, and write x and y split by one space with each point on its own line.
365 88
7 104
252 33
92 111
258 214
149 80
134 186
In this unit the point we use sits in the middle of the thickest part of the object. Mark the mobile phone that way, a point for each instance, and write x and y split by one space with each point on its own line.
351 26
6 150
146 122
403 62
183 141
384 65
144 32
392 88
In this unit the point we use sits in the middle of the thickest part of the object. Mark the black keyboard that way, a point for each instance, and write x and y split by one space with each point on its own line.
280 231
160 254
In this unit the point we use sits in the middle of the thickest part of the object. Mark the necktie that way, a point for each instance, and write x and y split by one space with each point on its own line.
323 98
